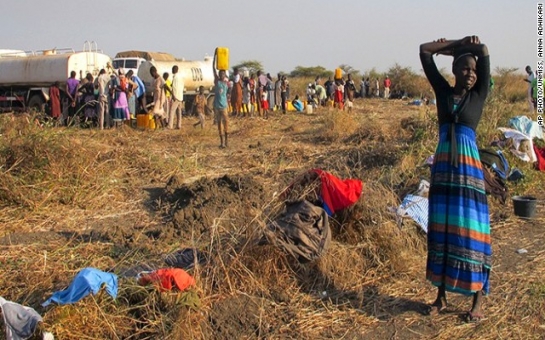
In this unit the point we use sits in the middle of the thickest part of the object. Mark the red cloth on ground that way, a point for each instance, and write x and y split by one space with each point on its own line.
336 193
540 153
168 278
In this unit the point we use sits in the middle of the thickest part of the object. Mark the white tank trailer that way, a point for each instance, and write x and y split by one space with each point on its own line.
25 78
194 74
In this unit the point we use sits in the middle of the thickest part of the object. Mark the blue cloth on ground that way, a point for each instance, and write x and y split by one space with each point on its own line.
526 126
86 281
417 208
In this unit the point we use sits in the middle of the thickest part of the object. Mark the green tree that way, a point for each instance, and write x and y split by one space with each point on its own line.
251 65
406 80
313 71
347 69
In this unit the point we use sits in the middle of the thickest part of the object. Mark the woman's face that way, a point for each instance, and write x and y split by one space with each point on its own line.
465 72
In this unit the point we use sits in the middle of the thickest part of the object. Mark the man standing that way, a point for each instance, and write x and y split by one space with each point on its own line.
529 80
236 93
349 89
158 96
387 84
284 90
139 93
72 85
220 102
103 110
278 92
177 104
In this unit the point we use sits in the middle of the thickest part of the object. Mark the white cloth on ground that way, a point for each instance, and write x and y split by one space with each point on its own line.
20 321
415 207
517 138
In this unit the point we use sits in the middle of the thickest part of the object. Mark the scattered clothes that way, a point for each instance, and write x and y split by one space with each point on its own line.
515 175
167 278
338 194
20 321
416 102
186 258
48 336
135 270
495 185
495 160
86 281
302 230
429 160
423 188
540 155
525 153
526 126
415 207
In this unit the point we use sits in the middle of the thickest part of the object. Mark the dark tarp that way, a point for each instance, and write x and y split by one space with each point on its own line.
302 230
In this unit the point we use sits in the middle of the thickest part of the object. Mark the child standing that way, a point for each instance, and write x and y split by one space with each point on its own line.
265 104
199 105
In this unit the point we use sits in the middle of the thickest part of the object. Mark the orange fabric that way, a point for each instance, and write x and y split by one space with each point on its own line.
463 232
168 278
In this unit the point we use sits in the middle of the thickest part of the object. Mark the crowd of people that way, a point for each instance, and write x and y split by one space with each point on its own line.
114 97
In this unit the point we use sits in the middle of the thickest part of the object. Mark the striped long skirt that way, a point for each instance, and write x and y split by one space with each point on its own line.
459 251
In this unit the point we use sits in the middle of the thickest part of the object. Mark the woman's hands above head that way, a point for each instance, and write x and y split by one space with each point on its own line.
470 39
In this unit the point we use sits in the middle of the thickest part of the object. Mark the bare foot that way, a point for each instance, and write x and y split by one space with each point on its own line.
473 317
438 307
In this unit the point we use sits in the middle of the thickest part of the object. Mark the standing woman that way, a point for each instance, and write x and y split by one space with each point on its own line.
55 101
120 89
87 91
270 92
459 251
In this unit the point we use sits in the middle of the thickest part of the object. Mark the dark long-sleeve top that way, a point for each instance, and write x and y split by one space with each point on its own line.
471 107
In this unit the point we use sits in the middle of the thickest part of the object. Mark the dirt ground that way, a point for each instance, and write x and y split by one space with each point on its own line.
211 196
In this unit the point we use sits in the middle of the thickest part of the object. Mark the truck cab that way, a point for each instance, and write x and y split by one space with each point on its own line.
128 63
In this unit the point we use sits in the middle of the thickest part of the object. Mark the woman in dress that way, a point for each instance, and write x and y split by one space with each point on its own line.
87 91
120 89
459 251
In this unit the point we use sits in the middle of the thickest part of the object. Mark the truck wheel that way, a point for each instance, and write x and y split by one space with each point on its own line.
36 103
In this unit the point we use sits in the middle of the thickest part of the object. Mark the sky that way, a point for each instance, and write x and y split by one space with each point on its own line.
281 34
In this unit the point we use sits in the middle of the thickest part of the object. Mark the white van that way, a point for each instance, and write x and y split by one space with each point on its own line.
127 64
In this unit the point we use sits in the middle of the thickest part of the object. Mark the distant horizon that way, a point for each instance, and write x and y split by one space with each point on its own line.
281 35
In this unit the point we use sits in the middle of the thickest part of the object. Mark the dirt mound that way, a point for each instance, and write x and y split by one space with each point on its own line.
242 316
228 201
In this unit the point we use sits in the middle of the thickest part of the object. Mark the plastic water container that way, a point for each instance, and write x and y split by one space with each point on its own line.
142 121
151 122
338 73
222 58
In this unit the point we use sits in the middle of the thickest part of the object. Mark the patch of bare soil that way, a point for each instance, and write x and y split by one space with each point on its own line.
231 201
245 317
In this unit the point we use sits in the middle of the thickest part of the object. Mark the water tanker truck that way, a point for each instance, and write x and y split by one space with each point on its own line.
25 77
193 73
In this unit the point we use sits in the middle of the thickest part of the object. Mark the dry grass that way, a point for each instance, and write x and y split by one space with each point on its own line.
72 198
